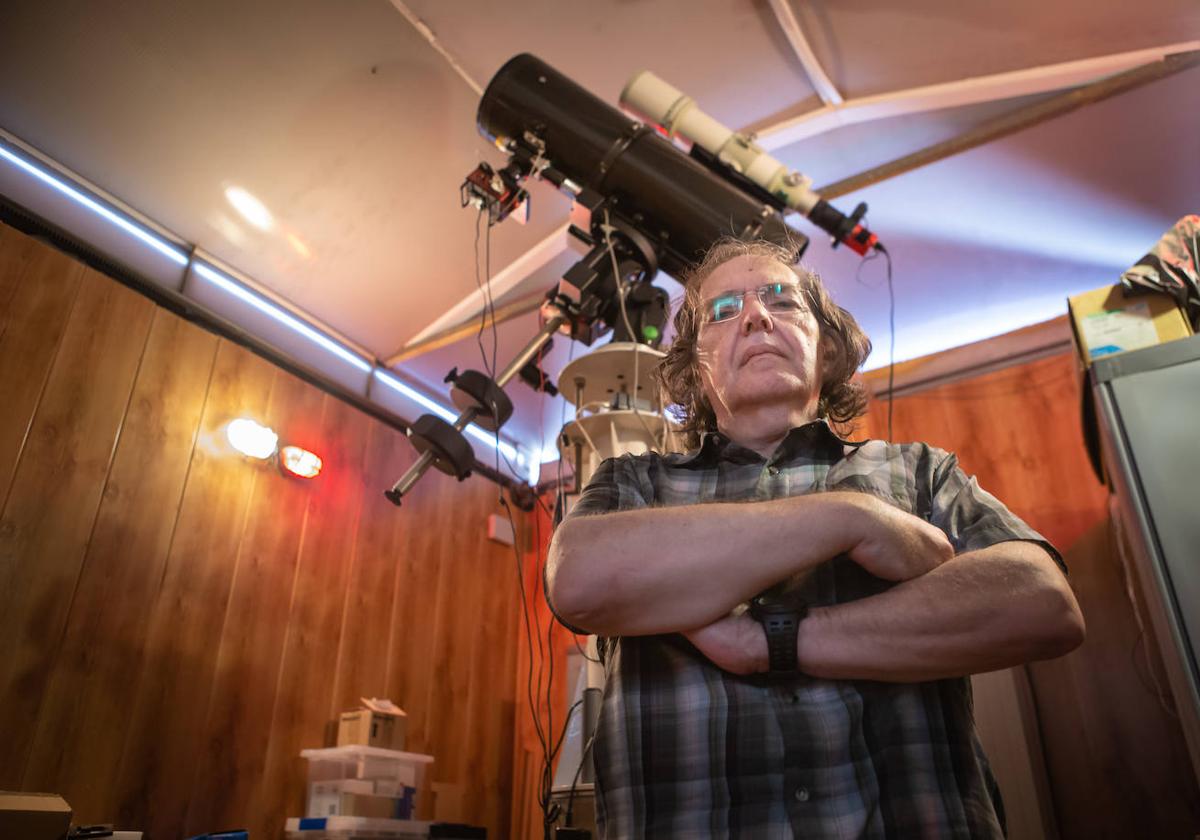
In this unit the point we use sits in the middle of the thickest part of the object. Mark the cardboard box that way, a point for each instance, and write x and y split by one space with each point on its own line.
370 729
34 816
379 723
1105 321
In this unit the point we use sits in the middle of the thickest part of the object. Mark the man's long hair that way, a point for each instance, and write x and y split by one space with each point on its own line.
842 400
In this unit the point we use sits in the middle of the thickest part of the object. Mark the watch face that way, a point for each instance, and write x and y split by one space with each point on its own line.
769 604
772 599
764 605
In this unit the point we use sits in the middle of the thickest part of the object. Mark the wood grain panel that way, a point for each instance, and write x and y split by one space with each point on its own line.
1118 763
169 712
491 703
229 765
85 713
465 575
55 492
414 671
364 660
16 253
541 658
213 615
40 289
335 500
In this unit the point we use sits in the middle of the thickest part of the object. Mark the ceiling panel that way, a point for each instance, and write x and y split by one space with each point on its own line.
339 117
997 237
875 46
733 53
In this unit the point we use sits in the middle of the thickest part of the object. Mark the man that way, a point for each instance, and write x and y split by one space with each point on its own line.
885 576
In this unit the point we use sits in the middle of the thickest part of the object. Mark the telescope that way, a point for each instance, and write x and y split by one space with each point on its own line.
556 130
640 204
738 157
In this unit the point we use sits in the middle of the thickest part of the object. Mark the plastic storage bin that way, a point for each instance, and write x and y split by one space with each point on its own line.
354 828
359 770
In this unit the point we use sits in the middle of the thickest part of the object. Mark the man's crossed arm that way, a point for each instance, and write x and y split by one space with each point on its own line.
616 574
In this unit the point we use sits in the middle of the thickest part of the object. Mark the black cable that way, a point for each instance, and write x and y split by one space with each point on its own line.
532 690
891 335
887 257
489 299
482 292
583 651
563 736
551 747
575 781
528 642
546 658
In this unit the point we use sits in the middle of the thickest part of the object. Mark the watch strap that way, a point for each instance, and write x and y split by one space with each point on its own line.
781 629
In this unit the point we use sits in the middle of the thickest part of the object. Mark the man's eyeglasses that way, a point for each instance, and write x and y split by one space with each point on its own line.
781 299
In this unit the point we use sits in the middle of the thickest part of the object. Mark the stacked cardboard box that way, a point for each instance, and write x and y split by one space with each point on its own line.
367 777
379 723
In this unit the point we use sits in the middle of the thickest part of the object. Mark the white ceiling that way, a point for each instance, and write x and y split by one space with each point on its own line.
356 133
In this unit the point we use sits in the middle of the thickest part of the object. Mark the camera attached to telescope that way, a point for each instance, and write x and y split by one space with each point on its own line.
640 204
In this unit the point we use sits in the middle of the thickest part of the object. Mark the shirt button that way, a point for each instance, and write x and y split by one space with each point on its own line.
773 470
801 794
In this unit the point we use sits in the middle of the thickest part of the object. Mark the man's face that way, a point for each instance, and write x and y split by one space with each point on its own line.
763 355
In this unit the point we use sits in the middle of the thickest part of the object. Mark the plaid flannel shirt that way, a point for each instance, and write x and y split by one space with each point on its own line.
684 749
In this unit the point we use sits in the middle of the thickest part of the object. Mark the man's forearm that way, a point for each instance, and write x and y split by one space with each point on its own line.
662 570
983 611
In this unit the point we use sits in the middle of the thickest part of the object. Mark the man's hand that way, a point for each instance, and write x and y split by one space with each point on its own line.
735 643
895 545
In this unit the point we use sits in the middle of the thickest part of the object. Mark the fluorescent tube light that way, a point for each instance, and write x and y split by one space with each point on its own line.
280 315
166 249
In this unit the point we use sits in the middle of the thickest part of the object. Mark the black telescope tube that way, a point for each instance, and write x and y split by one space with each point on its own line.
671 198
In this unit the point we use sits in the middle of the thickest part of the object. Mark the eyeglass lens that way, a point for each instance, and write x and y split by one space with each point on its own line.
778 298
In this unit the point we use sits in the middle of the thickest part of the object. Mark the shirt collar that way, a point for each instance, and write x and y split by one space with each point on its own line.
816 435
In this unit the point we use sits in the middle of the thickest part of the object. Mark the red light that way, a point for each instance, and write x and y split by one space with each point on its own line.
299 462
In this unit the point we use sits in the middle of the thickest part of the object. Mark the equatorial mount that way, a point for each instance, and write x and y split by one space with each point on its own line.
607 290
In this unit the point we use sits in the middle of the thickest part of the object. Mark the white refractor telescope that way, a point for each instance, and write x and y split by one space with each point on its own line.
677 115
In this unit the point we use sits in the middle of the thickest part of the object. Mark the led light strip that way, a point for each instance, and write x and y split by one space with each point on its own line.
232 287
167 250
280 315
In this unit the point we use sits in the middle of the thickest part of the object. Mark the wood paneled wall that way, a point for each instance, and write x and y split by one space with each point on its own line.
179 621
1116 761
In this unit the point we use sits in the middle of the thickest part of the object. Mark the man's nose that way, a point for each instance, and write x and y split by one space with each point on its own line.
755 316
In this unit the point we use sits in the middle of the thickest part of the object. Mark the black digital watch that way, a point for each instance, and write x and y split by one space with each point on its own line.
781 622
